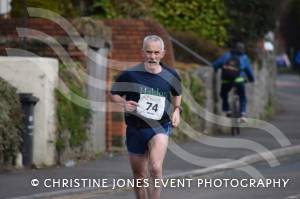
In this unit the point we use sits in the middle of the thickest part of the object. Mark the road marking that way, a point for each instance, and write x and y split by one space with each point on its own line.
287 84
293 197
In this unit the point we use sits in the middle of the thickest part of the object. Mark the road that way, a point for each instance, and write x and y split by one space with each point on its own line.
289 170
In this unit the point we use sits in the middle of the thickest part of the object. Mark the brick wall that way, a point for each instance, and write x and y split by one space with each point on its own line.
9 38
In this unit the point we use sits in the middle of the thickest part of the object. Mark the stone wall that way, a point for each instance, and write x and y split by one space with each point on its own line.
261 94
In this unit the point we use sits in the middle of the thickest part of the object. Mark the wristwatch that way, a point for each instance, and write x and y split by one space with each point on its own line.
179 107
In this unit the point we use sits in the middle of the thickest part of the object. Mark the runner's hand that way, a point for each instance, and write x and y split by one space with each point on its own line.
130 106
176 117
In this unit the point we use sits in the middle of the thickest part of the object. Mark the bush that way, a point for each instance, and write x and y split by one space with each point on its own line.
204 48
10 124
72 118
62 7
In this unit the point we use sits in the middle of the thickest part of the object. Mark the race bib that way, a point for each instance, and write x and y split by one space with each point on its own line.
151 106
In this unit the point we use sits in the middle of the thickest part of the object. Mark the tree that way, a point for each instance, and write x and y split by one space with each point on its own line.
290 25
251 19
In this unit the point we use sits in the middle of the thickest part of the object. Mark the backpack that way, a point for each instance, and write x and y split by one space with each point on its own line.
297 58
231 69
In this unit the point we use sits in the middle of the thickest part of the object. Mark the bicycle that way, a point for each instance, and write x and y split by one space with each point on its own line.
235 114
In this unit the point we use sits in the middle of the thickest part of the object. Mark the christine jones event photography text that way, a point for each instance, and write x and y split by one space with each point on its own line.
170 182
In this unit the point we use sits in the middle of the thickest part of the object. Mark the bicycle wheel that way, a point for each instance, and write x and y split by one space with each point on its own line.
235 129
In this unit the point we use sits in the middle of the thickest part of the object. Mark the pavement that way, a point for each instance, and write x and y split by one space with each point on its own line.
196 157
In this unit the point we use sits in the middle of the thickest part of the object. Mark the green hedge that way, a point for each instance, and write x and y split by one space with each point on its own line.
206 18
11 124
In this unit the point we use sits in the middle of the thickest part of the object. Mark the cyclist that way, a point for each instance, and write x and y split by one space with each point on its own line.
234 64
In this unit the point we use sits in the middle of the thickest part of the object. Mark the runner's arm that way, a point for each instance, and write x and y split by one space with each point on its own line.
177 110
127 105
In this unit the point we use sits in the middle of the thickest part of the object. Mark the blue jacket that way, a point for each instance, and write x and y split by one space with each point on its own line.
246 67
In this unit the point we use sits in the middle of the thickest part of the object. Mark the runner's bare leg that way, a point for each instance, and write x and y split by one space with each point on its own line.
139 166
157 150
